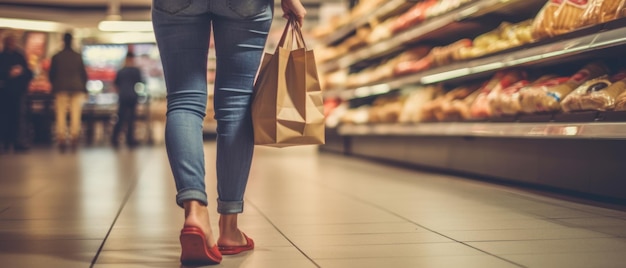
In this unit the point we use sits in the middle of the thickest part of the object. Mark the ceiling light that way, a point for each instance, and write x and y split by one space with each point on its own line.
33 25
125 26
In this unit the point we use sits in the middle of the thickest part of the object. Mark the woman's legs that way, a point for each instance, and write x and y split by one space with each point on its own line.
239 45
183 40
183 36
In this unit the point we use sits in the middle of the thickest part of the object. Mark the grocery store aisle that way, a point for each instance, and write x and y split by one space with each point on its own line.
304 209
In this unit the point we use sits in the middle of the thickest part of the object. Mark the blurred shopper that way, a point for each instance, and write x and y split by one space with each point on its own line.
182 31
14 79
125 82
69 79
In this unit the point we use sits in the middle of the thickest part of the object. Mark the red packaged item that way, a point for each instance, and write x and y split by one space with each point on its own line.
480 108
507 101
413 16
409 67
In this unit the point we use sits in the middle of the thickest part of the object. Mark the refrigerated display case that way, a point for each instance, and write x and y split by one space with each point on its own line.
578 152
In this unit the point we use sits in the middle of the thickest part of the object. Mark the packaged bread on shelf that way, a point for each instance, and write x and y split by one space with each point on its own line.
480 108
563 16
333 80
507 101
620 101
381 31
545 20
506 36
444 6
413 16
363 8
386 109
445 55
323 31
518 33
358 40
415 101
597 94
443 107
457 108
571 16
386 69
327 53
413 66
431 109
548 99
600 11
358 115
412 61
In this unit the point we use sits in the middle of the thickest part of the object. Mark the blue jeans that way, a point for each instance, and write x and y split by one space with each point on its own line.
182 29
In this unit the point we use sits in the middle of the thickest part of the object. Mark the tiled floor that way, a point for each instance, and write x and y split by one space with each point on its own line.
113 209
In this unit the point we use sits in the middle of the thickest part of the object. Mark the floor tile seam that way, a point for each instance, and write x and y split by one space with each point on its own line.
569 252
516 229
403 256
388 244
417 224
248 201
135 181
364 233
536 240
589 228
552 202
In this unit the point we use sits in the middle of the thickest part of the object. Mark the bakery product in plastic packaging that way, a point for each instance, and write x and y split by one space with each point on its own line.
548 98
415 101
600 11
480 108
618 88
598 94
620 101
561 16
457 108
451 106
413 16
507 101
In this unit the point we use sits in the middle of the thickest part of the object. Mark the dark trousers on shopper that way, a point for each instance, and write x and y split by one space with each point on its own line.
11 114
126 113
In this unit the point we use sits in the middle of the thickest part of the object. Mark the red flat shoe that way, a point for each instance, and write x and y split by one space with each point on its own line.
195 249
232 250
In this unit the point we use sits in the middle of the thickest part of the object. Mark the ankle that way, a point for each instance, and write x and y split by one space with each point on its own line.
193 208
228 223
197 215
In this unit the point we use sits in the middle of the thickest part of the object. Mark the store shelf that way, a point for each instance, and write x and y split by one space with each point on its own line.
345 30
473 9
525 56
595 130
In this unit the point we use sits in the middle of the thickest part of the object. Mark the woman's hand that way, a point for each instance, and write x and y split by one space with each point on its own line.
293 8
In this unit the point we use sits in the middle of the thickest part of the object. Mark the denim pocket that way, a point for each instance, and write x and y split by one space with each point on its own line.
248 8
171 6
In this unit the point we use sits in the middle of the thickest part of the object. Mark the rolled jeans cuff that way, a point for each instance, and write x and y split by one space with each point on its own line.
191 194
229 207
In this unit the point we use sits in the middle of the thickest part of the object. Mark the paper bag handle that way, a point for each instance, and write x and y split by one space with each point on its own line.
292 31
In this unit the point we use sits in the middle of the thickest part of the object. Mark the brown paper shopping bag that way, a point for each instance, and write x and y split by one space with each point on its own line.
287 109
